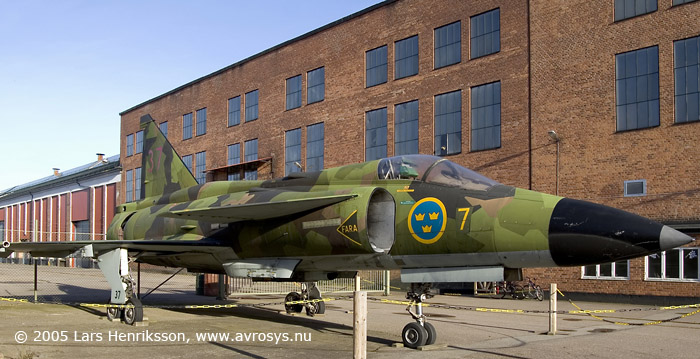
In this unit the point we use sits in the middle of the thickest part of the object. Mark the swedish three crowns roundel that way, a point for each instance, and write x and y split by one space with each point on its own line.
427 220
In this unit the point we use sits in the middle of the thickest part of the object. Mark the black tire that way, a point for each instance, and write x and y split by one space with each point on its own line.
134 313
316 308
539 293
518 292
114 313
414 335
432 333
293 308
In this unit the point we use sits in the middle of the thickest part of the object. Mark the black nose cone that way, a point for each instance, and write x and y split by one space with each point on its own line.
582 233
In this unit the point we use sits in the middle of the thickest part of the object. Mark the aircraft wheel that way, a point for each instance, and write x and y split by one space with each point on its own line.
131 315
114 314
315 308
293 308
414 335
432 333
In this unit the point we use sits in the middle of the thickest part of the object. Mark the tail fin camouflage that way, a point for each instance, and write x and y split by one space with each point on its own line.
162 169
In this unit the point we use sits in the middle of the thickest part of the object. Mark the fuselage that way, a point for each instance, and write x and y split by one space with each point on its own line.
406 212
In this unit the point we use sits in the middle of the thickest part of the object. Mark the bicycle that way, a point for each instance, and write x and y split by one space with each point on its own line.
509 288
533 290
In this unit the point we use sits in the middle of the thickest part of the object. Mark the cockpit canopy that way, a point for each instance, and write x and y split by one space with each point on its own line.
432 169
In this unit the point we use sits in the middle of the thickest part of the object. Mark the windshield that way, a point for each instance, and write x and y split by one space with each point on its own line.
432 169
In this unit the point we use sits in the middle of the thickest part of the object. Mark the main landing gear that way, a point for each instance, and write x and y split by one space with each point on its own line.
420 332
115 267
309 291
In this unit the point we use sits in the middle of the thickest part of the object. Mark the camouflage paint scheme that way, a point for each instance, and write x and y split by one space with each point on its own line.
411 211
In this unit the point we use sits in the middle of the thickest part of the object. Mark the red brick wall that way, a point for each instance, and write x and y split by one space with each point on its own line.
341 50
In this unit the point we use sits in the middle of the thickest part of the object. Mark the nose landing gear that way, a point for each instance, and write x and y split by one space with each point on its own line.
420 332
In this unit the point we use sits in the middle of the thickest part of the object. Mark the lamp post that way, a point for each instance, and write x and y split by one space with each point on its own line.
555 136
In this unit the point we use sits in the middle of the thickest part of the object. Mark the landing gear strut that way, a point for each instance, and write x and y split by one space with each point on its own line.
115 267
309 291
420 332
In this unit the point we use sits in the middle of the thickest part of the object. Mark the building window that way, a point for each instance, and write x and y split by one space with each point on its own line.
129 186
251 106
674 265
376 62
448 45
137 183
234 158
200 162
637 84
251 154
187 126
187 160
625 9
82 230
2 230
617 270
292 151
486 117
686 69
635 188
448 123
486 33
293 92
406 128
406 57
315 85
164 128
139 142
314 147
375 134
234 111
201 121
130 145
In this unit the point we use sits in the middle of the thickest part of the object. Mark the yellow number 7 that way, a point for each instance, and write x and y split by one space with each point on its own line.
466 213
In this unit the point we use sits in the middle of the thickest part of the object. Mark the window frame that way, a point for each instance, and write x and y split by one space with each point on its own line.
613 270
400 61
403 122
620 5
475 119
680 79
476 37
233 160
681 266
129 145
377 66
232 114
293 99
248 157
436 54
201 122
435 125
376 132
311 95
200 166
254 108
187 126
292 146
626 86
644 188
311 146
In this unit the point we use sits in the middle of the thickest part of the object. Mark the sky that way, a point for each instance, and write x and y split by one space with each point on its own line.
69 67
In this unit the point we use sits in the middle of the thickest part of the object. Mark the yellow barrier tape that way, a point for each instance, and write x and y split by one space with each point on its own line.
591 312
309 301
403 302
495 310
13 300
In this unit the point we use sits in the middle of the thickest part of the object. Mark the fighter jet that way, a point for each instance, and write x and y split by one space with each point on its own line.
426 216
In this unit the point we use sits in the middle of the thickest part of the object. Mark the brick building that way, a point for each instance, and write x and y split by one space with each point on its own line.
595 100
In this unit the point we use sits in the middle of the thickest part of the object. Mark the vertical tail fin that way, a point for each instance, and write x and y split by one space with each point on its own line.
162 169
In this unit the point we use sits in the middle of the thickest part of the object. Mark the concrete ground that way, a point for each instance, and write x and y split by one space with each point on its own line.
59 331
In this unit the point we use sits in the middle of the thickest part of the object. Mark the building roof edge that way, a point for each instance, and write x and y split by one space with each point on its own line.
262 53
